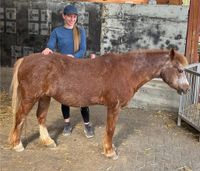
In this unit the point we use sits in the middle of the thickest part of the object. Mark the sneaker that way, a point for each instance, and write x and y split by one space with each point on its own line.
89 131
67 129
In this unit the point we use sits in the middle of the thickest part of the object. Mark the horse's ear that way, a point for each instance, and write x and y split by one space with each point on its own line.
172 54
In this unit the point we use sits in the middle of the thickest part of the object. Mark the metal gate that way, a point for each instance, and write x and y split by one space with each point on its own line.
189 108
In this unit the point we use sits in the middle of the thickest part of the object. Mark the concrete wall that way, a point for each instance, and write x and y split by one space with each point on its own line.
127 27
155 95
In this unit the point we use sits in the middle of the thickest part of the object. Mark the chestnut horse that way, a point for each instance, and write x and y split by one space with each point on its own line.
110 80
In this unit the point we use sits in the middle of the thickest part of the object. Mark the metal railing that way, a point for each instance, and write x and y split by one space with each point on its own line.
189 108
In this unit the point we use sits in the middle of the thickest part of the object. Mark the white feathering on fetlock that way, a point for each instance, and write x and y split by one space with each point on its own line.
19 147
45 138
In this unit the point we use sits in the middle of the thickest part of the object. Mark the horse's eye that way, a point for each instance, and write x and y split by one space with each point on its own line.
180 70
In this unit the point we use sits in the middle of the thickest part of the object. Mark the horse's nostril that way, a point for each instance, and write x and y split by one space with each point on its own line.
184 90
188 88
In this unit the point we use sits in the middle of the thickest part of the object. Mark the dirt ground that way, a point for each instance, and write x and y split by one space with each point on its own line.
146 141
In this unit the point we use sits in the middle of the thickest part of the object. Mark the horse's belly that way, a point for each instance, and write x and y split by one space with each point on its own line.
77 100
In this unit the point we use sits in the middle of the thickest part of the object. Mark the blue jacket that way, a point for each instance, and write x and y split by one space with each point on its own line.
61 38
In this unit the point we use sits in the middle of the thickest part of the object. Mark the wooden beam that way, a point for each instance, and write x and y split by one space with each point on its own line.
175 2
119 1
191 50
172 2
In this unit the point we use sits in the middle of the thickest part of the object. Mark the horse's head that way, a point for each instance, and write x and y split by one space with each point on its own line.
173 72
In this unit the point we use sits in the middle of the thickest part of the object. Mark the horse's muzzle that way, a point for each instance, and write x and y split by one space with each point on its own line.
183 90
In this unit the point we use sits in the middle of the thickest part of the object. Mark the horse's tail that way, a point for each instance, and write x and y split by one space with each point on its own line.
16 97
15 92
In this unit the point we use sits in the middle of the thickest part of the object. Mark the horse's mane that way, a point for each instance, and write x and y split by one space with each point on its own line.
136 53
157 52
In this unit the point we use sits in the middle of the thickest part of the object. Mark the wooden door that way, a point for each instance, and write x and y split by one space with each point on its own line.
193 30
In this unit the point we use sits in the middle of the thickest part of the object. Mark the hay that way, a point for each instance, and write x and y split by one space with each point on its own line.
192 113
5 108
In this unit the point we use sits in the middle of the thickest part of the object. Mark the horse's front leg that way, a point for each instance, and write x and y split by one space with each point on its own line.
112 117
42 110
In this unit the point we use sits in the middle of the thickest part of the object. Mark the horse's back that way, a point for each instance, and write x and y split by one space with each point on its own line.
38 62
38 71
39 58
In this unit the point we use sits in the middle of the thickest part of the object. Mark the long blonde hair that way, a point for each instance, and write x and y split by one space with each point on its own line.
76 35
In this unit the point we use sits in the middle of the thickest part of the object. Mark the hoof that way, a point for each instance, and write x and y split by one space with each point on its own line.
48 143
113 155
52 145
19 147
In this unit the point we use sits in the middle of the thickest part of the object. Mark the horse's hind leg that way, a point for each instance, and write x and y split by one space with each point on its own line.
112 116
42 110
15 136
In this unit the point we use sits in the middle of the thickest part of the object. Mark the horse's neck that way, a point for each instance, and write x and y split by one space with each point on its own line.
146 68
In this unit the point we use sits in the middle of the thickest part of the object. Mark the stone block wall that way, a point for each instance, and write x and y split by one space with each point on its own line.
128 27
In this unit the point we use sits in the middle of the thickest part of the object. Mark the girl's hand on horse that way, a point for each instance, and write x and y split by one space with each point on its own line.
47 51
70 55
92 56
